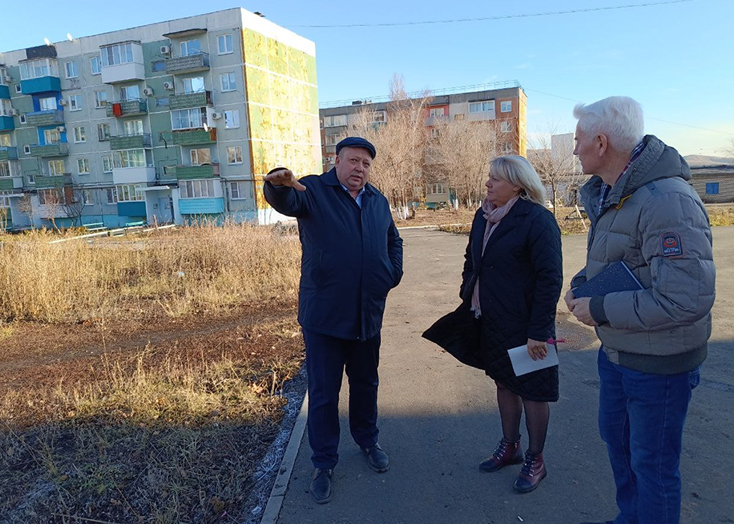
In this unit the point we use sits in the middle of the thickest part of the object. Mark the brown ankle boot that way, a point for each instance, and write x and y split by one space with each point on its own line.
532 472
507 453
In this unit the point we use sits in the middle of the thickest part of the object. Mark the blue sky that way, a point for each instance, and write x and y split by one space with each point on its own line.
676 59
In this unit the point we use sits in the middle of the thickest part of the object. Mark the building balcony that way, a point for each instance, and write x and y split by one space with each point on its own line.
201 206
130 142
45 118
8 183
4 92
7 123
190 100
192 172
51 181
194 137
115 74
43 84
49 150
187 64
125 108
133 175
8 153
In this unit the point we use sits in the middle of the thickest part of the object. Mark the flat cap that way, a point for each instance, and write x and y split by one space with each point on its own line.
356 141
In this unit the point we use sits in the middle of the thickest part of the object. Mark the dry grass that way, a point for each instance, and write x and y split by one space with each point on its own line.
199 268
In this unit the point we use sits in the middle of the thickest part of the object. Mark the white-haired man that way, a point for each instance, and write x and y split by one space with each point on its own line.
654 340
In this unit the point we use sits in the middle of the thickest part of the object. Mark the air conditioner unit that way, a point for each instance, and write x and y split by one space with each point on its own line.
63 102
168 85
148 91
61 129
216 116
165 50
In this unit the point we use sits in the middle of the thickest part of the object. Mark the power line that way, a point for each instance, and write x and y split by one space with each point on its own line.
490 18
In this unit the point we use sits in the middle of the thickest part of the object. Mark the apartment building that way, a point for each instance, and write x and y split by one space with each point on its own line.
168 122
504 102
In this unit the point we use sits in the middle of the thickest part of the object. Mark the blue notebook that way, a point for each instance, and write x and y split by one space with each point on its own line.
616 277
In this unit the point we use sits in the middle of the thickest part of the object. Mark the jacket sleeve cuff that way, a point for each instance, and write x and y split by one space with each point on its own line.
596 308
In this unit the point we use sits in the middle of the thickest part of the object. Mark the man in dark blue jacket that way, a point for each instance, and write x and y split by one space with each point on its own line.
352 257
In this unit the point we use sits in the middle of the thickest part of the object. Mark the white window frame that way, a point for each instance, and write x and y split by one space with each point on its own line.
100 99
185 45
48 103
126 158
71 70
232 119
238 191
236 153
506 148
188 86
51 136
200 156
130 193
40 68
4 199
196 189
125 92
88 197
506 106
195 118
103 132
75 102
116 54
228 81
335 121
506 126
4 168
82 165
44 194
227 41
56 167
437 111
133 128
107 163
481 106
95 65
80 135
111 195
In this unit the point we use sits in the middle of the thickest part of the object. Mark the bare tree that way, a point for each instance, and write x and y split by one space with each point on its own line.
52 202
400 139
25 206
4 218
73 205
459 154
552 157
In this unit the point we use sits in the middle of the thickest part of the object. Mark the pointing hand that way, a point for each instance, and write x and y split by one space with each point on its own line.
285 177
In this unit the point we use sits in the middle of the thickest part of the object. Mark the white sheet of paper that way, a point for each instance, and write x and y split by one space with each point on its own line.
523 364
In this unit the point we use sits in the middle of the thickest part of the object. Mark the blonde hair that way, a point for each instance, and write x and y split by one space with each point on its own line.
518 171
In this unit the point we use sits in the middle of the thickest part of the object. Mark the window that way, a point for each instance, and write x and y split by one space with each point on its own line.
158 66
47 104
224 44
505 126
80 135
506 106
83 166
481 107
4 139
128 158
133 127
188 118
193 85
4 199
162 101
129 93
56 167
438 188
111 195
437 111
239 190
712 188
107 163
459 116
332 140
190 47
103 132
51 196
100 98
234 155
18 88
378 117
87 197
51 136
130 193
507 148
435 133
228 82
38 68
27 150
5 108
5 168
196 189
232 119
117 54
335 120
75 103
200 156
96 65
71 71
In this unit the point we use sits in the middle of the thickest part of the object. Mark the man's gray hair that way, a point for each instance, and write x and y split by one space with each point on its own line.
619 118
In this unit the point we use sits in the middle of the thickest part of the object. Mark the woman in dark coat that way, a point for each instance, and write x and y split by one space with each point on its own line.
512 281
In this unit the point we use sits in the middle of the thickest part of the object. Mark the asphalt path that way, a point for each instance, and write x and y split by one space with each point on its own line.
439 419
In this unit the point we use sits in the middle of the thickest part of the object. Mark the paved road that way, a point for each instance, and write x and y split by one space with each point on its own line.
439 419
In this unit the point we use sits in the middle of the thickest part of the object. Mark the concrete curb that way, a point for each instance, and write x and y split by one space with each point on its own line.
275 501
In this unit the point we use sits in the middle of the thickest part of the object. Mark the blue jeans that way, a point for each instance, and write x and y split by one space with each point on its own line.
326 360
641 418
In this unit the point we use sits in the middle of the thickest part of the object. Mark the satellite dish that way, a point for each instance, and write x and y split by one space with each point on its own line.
71 38
48 42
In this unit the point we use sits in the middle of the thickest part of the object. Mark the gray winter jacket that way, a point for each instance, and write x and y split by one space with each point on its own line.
654 221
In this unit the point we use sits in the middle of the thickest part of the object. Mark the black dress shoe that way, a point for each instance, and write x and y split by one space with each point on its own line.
377 458
321 485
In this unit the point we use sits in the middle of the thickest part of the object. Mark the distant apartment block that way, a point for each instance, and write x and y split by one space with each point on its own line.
167 122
